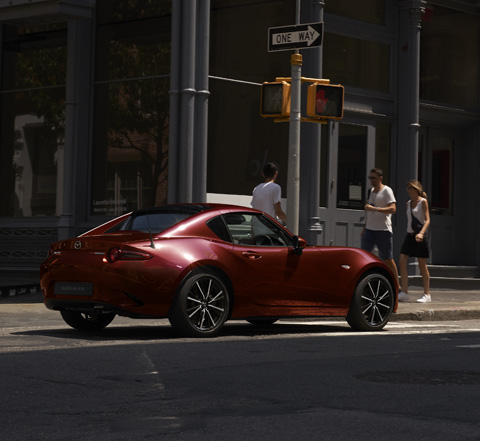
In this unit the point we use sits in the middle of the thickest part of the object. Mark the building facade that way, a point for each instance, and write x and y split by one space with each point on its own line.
113 105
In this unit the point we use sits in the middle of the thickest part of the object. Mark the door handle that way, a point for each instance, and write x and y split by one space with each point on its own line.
251 255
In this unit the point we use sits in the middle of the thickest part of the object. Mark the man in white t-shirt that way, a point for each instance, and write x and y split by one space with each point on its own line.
378 230
267 196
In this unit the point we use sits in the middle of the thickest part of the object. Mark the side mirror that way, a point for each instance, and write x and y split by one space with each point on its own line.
298 245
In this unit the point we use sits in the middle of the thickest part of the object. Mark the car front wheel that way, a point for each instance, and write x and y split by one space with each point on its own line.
87 322
201 306
372 303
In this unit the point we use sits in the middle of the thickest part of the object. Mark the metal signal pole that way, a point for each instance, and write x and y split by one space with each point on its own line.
293 178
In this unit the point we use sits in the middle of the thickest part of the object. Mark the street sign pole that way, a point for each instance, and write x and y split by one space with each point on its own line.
298 36
293 187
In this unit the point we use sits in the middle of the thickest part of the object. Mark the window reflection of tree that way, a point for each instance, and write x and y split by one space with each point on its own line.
34 79
133 61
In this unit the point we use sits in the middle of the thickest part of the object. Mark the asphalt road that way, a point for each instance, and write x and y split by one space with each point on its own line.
136 380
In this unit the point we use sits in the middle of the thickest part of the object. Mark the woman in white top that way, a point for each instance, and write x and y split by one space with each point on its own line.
415 243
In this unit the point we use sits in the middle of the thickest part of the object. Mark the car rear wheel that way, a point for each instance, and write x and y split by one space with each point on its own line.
201 306
85 321
372 303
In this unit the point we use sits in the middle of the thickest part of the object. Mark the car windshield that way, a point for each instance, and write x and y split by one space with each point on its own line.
158 219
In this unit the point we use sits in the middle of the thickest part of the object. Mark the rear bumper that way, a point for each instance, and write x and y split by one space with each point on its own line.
90 306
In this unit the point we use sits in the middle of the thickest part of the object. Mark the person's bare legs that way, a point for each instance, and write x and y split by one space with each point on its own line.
402 263
422 264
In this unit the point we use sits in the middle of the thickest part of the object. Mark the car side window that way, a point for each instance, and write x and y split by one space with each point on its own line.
217 225
256 230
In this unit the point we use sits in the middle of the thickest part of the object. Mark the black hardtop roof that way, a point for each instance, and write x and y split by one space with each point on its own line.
174 208
187 208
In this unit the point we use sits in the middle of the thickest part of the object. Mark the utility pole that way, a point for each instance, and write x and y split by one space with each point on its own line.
293 178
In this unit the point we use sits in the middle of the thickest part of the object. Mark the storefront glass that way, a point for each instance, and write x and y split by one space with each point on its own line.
32 120
450 62
132 104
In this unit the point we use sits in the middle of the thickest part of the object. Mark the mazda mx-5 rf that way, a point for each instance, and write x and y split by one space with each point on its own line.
200 265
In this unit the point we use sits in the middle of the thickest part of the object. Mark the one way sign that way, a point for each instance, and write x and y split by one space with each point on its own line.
302 36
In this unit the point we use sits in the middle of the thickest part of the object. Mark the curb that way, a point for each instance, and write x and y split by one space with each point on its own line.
437 315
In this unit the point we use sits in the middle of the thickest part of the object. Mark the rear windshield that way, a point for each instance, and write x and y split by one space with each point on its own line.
157 220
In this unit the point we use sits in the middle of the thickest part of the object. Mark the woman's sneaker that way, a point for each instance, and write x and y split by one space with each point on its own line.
402 296
425 299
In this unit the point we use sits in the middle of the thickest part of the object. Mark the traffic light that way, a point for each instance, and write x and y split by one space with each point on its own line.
325 101
275 100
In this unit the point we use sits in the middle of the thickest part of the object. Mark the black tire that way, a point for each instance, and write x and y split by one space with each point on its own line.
372 303
201 306
87 322
262 321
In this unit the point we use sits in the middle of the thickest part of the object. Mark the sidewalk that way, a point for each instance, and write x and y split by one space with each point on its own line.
447 304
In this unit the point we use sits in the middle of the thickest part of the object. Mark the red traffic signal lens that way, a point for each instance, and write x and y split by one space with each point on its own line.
325 101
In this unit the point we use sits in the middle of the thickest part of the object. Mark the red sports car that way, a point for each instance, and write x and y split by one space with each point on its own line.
203 264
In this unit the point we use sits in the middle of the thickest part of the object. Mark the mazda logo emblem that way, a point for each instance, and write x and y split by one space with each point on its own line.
77 245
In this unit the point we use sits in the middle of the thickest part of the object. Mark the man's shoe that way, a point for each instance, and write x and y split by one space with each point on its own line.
425 299
402 297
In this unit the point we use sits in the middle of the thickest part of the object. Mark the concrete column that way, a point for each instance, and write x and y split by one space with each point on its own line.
174 129
410 15
187 101
182 101
199 191
77 105
187 175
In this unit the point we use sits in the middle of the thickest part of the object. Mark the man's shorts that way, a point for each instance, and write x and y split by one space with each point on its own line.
382 239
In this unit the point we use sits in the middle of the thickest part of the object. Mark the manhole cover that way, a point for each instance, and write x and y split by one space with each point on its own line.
423 377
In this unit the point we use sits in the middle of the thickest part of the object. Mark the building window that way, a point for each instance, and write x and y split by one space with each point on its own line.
352 164
132 105
240 141
32 120
370 11
383 148
357 63
450 62
442 148
324 167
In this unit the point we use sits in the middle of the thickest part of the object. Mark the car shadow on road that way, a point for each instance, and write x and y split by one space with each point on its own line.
166 332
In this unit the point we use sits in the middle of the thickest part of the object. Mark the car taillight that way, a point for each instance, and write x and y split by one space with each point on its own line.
115 254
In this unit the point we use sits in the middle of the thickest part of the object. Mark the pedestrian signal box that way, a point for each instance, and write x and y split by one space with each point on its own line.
275 99
325 101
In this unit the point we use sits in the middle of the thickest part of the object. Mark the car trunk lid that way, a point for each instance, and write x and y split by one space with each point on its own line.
102 243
